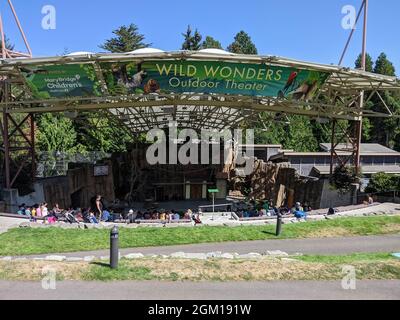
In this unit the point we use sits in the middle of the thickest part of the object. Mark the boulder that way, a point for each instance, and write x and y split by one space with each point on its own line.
8 258
214 254
199 256
276 253
251 255
134 256
178 255
89 258
74 259
55 258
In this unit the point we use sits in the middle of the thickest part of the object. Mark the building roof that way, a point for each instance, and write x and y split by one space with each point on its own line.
365 148
260 146
191 107
325 170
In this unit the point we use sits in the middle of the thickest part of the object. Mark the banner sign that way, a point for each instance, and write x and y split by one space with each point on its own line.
60 81
171 76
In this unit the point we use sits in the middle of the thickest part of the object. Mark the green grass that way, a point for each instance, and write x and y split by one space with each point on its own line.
349 258
25 241
124 272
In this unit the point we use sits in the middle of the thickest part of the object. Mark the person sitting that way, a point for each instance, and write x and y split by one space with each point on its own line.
92 218
44 209
196 218
300 214
162 215
132 215
176 216
188 214
57 209
21 209
28 211
106 216
51 217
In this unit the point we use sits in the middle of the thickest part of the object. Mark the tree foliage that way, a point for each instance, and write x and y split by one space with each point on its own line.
210 42
242 44
191 41
127 38
56 133
383 182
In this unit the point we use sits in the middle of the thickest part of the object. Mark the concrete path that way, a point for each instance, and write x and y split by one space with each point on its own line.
332 246
7 222
134 290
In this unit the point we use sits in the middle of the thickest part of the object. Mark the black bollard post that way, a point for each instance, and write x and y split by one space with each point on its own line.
114 250
278 224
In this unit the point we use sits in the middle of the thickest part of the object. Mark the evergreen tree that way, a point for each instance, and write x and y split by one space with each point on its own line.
242 44
384 66
369 63
9 45
385 131
191 41
210 42
127 38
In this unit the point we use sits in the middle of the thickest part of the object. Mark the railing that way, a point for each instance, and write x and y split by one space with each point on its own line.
386 196
55 163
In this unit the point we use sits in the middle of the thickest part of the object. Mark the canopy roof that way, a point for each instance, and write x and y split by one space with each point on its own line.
336 95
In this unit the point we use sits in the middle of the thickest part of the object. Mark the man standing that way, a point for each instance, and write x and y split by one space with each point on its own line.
98 206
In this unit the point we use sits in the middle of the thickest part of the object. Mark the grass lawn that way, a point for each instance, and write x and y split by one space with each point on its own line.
372 266
25 241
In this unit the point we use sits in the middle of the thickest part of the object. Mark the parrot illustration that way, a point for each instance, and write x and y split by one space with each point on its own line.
290 84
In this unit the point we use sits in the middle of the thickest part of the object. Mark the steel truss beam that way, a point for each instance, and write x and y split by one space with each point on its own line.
18 142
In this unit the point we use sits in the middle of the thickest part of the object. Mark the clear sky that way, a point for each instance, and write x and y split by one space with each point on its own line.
308 30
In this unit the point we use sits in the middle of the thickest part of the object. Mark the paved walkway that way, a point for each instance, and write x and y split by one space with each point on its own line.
388 243
134 290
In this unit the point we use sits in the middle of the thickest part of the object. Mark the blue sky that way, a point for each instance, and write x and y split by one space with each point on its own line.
308 30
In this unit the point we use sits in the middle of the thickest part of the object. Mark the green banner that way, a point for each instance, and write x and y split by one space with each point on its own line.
60 81
163 76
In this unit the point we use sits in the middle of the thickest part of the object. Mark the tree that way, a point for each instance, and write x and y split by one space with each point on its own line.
384 66
242 44
297 134
380 130
210 42
369 63
127 39
9 45
99 133
191 42
382 182
55 133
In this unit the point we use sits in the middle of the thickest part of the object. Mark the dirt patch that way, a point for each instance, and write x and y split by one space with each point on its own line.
330 232
36 270
265 269
391 228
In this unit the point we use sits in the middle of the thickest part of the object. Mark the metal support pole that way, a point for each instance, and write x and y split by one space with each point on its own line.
114 250
332 146
6 140
20 28
278 224
361 103
33 159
